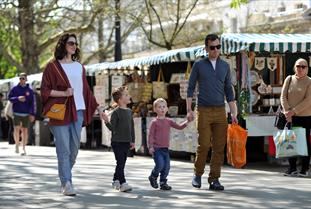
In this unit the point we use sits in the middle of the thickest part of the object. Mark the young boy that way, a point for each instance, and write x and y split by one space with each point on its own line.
158 142
122 138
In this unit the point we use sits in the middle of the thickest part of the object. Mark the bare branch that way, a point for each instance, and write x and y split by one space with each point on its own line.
159 21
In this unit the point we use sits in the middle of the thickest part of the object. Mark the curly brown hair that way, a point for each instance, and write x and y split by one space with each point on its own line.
60 49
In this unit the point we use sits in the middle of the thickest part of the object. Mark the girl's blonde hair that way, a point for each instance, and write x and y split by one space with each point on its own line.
159 100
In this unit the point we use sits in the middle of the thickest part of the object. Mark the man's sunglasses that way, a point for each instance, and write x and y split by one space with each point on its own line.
301 66
71 43
214 47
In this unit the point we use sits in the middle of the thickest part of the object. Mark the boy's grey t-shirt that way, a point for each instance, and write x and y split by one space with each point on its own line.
121 125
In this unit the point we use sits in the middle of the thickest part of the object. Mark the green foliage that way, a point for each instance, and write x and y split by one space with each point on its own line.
237 3
243 102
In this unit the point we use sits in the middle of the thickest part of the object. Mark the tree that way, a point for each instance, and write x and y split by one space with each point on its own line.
33 26
164 21
237 3
106 29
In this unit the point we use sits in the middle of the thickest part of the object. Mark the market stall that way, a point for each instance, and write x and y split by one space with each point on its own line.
259 63
148 78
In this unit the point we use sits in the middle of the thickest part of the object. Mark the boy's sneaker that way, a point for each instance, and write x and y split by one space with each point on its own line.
68 189
125 187
215 185
165 186
291 172
303 174
196 181
116 184
153 182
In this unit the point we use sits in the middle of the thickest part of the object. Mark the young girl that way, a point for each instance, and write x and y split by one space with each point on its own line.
123 136
158 141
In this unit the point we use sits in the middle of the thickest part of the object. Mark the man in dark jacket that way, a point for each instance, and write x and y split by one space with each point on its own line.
22 98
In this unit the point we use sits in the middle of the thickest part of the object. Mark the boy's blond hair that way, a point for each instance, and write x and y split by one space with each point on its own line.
159 100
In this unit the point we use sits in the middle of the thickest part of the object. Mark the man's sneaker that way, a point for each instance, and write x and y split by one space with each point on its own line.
68 189
215 185
165 186
125 187
16 148
303 174
116 184
291 172
153 182
196 181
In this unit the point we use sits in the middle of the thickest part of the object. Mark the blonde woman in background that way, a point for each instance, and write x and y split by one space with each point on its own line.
296 104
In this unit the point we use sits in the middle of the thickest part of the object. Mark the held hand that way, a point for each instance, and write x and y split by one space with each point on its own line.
132 146
69 92
31 118
22 98
190 116
234 119
104 116
151 151
289 114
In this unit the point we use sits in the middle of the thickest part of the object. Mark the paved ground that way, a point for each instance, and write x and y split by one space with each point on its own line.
31 182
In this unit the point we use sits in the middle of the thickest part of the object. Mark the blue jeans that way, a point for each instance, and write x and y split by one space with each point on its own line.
120 150
161 158
67 143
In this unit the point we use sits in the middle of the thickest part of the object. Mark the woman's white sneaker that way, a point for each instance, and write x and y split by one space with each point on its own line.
68 189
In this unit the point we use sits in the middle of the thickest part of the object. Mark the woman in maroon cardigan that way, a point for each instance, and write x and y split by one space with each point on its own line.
64 81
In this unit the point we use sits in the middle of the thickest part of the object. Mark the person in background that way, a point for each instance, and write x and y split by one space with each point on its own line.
64 82
214 85
23 110
158 143
1 109
38 113
121 125
296 103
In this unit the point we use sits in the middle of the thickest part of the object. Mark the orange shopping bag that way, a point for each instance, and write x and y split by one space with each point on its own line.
236 145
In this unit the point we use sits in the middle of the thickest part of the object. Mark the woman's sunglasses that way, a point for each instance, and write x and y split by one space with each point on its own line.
22 78
301 66
215 47
71 43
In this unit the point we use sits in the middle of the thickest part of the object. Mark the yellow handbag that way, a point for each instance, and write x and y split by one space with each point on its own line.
57 111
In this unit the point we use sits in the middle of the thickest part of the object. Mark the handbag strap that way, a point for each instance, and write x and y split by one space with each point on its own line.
290 80
61 77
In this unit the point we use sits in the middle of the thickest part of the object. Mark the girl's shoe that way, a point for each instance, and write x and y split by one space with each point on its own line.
16 148
303 174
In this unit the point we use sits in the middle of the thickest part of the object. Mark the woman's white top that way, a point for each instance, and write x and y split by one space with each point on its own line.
74 74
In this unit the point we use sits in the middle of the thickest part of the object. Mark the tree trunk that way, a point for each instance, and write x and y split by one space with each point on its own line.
29 43
101 41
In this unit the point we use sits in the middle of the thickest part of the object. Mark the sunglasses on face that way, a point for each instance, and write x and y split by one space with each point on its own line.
215 47
71 43
22 78
301 66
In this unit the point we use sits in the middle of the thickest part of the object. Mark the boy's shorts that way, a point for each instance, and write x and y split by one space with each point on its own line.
17 120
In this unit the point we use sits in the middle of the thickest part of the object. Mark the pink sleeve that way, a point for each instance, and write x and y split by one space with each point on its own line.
178 126
151 135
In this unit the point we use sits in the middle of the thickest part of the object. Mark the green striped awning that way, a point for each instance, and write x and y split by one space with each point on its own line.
233 43
184 54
